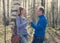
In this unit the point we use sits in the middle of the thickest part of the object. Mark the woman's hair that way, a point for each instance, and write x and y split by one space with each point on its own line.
20 9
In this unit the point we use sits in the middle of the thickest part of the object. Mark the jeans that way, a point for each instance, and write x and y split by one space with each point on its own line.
38 39
24 39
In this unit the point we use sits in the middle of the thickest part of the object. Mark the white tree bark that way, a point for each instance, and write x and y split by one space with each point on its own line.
15 4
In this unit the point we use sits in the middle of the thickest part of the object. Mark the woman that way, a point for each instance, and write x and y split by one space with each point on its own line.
21 24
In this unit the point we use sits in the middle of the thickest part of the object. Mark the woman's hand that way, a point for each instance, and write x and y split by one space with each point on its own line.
29 20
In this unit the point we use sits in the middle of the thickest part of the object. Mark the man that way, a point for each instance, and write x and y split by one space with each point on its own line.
40 27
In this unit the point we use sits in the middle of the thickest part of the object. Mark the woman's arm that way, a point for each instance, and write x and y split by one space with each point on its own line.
19 24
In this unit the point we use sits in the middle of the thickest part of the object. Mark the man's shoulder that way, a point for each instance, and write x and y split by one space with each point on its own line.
44 17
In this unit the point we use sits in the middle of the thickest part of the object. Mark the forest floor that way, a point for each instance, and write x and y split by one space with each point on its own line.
51 36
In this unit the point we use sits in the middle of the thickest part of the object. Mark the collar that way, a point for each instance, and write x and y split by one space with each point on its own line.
41 15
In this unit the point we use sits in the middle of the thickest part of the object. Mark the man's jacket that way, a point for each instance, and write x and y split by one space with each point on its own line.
40 27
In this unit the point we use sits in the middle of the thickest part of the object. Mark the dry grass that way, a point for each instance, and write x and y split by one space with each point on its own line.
8 34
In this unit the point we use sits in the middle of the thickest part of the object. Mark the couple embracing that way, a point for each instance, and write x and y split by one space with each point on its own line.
40 27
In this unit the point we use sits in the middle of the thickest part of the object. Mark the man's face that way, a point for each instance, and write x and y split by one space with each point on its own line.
39 12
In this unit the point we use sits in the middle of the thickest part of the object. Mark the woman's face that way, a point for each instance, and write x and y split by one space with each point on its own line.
23 12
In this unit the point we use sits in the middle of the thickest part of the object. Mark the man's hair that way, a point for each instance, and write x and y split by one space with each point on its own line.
41 9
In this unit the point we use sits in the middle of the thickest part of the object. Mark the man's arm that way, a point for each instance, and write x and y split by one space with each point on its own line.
42 24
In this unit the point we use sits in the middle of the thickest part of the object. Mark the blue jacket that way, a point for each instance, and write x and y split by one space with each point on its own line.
40 27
